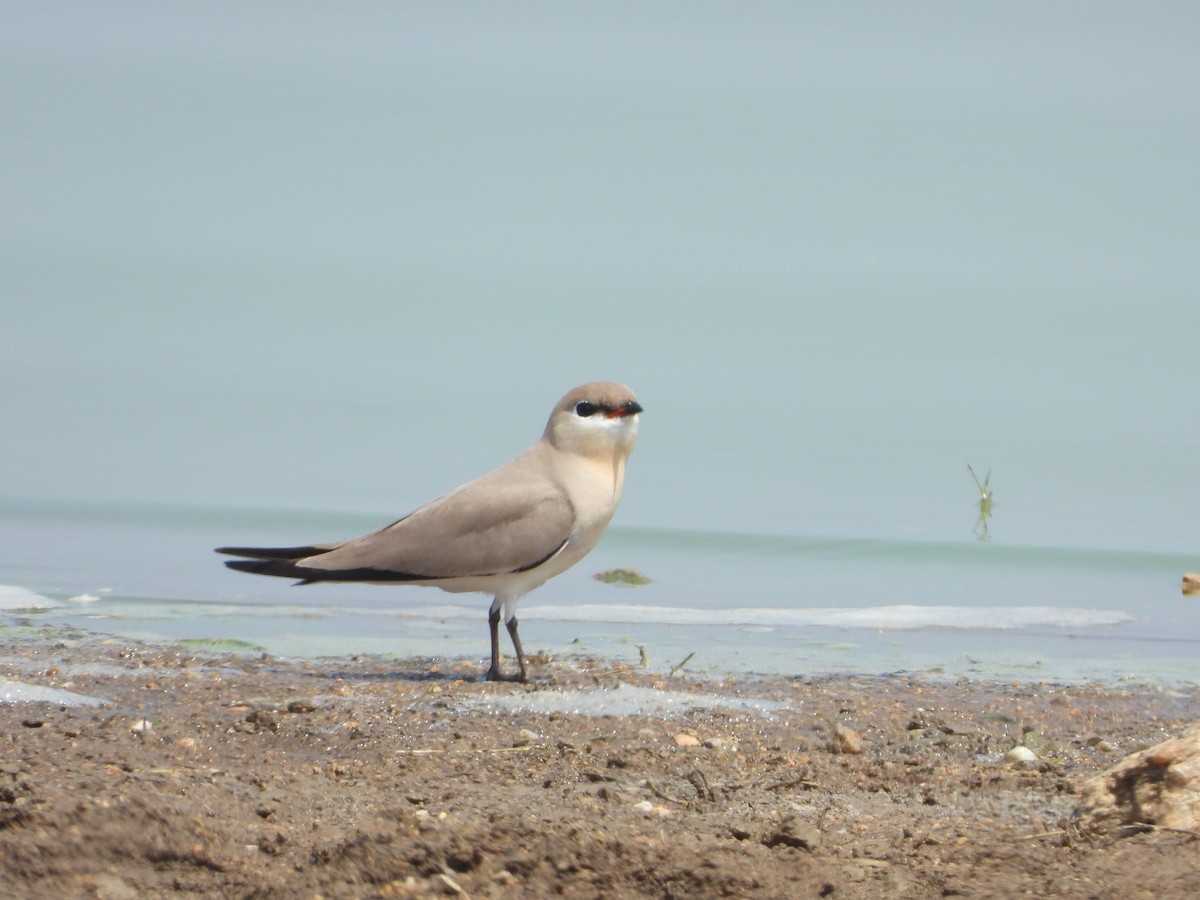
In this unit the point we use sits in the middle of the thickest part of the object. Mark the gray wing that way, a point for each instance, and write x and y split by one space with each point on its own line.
511 520
487 527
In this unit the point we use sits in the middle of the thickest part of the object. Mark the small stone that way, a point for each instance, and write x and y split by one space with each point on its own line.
263 720
110 887
686 740
845 740
451 886
609 793
741 830
506 878
1020 755
645 807
268 846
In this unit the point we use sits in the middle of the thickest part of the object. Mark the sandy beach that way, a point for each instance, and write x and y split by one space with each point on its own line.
241 775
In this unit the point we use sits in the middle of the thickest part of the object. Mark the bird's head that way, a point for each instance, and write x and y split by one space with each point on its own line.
598 419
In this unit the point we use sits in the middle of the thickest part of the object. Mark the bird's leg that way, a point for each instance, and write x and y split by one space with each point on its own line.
493 672
511 625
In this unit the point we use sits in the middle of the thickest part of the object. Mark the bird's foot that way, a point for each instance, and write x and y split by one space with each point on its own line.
494 674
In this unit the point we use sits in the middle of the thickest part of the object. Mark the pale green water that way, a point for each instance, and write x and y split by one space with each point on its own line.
296 256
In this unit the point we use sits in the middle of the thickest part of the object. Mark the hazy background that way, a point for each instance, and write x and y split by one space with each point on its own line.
345 257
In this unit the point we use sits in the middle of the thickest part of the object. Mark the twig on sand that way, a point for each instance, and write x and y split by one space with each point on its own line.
424 751
1145 826
658 792
453 886
1059 832
683 662
791 783
1129 826
622 668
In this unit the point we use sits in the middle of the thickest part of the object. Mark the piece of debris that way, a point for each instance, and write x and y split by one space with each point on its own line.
845 740
627 577
1159 787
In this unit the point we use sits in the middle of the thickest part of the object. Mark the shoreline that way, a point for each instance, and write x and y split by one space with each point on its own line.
250 776
1067 657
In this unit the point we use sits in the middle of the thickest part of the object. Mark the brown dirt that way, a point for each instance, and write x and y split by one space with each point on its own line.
257 777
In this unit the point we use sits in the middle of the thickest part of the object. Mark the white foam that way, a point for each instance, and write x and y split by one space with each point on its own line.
879 618
899 617
623 700
15 597
20 692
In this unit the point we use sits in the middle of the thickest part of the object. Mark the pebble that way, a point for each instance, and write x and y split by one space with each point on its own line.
1100 744
526 737
110 887
451 885
1020 754
264 720
645 807
686 740
846 740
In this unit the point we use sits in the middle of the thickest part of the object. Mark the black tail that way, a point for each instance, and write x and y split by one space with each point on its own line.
284 568
285 562
278 561
275 552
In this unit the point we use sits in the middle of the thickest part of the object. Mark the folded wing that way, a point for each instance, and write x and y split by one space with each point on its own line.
491 526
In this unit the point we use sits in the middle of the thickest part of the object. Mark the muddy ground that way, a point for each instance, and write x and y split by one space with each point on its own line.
254 777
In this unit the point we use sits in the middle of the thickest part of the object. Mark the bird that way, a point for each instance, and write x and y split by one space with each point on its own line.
505 533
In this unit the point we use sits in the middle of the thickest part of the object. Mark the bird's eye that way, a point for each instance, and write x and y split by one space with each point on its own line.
584 409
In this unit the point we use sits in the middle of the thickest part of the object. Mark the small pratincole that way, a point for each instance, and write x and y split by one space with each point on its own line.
503 534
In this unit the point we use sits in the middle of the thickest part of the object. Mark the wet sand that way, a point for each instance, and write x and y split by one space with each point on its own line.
249 776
